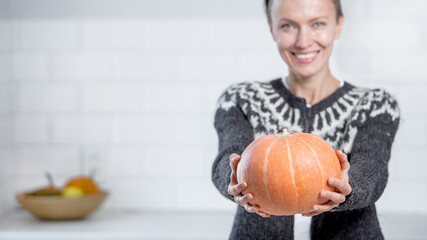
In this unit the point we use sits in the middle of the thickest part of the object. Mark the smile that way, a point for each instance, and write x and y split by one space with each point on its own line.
305 57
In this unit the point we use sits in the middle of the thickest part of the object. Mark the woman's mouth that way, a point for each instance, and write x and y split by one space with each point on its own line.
306 57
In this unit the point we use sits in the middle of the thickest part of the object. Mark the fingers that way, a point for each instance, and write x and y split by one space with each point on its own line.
341 185
234 160
243 200
263 214
345 165
325 207
318 209
311 214
252 209
237 189
333 196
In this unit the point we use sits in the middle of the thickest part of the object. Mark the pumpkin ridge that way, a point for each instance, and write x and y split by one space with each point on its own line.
326 144
264 170
318 163
292 171
247 152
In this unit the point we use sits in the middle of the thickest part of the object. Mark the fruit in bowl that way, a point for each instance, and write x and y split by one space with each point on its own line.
50 190
72 192
80 197
86 184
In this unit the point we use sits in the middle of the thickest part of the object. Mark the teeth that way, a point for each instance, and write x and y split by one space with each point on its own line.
306 56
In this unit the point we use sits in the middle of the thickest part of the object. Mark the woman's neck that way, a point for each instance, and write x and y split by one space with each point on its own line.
313 89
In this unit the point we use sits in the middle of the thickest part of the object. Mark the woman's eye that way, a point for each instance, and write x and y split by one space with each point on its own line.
319 24
286 25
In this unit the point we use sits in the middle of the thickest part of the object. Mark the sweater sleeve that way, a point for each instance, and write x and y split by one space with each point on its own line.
234 134
370 154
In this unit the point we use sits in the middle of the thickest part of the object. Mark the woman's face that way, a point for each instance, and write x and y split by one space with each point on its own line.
304 31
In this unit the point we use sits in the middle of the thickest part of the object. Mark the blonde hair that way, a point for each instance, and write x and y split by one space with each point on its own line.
268 3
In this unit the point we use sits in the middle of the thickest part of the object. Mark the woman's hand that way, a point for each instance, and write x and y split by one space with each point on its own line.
235 189
342 186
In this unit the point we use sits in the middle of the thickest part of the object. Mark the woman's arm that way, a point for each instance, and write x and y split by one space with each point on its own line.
369 159
364 179
235 133
370 154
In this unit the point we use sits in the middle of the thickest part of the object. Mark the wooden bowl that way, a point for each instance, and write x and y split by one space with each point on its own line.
60 208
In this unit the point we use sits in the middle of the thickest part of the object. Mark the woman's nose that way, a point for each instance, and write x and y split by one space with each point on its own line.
304 38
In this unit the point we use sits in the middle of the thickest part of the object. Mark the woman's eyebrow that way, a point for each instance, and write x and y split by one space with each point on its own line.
287 20
318 18
311 20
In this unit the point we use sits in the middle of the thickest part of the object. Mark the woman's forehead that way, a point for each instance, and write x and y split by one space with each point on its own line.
302 9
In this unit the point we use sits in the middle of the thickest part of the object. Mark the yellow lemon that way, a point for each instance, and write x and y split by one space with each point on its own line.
72 192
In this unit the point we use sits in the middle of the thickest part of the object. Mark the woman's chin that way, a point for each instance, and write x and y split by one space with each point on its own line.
306 73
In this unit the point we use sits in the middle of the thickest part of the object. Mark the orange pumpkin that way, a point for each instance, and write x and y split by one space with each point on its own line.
84 183
286 172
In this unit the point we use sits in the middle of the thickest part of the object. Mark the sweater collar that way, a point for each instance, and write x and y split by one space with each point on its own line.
279 86
285 83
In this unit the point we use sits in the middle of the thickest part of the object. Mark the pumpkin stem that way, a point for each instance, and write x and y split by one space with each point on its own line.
284 133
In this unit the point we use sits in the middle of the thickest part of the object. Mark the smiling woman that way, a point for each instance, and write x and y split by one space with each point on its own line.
305 38
359 123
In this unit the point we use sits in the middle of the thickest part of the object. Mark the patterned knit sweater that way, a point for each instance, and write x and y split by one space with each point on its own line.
359 121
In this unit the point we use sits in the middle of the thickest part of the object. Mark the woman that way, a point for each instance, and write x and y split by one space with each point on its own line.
360 122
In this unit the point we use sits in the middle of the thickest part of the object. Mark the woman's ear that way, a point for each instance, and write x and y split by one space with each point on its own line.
339 27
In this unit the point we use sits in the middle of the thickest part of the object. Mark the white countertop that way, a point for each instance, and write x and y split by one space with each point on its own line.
20 225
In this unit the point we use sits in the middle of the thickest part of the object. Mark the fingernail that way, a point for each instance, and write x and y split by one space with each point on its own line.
244 184
250 196
323 194
315 208
331 180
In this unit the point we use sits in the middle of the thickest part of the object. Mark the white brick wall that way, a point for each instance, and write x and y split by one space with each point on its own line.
34 161
125 161
134 98
38 34
4 67
81 67
47 97
6 152
5 98
29 66
203 66
114 34
30 129
175 98
144 66
239 33
113 98
5 31
5 129
80 129
184 34
251 65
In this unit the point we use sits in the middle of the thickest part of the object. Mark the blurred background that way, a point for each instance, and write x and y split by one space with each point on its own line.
128 88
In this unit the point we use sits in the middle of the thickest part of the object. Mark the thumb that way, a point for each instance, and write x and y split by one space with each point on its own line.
345 165
234 161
